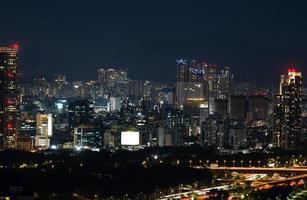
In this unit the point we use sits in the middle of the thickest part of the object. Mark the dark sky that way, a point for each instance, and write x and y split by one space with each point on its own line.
74 37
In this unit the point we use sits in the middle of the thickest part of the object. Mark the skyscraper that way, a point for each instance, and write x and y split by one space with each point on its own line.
114 80
8 97
258 107
81 111
238 106
190 81
182 70
202 80
288 110
43 130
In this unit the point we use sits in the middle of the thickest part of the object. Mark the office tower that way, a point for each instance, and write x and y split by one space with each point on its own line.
237 134
114 104
77 89
288 110
87 137
161 136
115 81
202 80
188 90
8 97
221 107
238 106
190 81
203 112
182 70
109 139
213 132
25 143
197 71
81 111
40 88
177 124
112 75
221 85
59 86
166 96
258 107
43 131
140 89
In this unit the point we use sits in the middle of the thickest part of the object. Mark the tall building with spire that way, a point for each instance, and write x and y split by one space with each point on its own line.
288 110
8 97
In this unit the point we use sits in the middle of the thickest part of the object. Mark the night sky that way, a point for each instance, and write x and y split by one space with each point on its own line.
256 39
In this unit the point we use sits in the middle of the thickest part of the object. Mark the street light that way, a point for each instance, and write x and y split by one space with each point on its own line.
233 163
258 163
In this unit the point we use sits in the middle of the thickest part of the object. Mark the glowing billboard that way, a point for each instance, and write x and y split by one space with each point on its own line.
130 138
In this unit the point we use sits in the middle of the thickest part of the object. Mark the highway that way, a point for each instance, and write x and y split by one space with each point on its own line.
199 192
262 184
284 180
260 169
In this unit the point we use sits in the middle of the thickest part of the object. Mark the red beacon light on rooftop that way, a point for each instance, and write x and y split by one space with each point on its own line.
291 70
14 46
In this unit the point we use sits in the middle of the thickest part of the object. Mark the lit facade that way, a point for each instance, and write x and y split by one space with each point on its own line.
43 130
87 137
8 97
288 110
202 80
190 81
114 81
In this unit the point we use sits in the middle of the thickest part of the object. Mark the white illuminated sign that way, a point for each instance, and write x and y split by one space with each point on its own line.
130 138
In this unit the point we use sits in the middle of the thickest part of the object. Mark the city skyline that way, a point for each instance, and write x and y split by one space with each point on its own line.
264 39
153 100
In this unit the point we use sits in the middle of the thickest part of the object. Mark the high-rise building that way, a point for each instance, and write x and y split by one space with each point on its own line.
114 80
182 70
288 110
188 90
213 132
59 86
258 107
140 88
43 130
221 85
87 137
202 80
40 88
238 106
114 104
177 124
190 81
237 134
8 97
221 107
81 111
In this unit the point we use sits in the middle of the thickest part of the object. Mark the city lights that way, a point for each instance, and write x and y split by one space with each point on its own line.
105 100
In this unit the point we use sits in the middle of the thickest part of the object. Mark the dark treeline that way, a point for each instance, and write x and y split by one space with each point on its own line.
116 173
